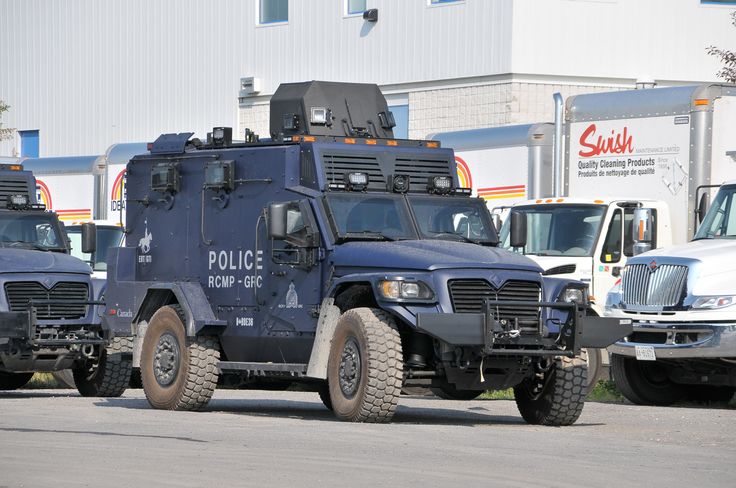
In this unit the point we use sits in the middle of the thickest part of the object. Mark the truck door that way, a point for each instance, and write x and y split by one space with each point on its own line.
618 245
292 290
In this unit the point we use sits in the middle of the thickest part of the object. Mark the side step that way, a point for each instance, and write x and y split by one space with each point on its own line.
265 369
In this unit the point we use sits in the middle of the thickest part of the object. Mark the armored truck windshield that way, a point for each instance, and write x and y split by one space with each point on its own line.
32 230
398 217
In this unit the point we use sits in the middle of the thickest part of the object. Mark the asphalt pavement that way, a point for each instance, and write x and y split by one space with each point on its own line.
55 438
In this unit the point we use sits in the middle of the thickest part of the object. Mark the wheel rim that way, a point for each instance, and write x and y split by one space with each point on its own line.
350 367
166 359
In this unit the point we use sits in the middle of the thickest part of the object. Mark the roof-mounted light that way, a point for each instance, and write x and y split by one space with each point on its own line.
222 136
463 191
356 181
337 186
439 184
17 200
320 116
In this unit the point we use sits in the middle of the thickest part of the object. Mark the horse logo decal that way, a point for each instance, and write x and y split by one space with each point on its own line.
145 242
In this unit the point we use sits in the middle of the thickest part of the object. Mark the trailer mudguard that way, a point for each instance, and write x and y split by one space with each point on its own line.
190 296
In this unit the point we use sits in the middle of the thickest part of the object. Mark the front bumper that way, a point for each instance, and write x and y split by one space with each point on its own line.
677 340
497 338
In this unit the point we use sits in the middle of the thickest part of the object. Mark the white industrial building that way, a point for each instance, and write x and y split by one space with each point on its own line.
81 75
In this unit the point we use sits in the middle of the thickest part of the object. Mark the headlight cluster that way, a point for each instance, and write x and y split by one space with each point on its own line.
576 295
404 290
712 303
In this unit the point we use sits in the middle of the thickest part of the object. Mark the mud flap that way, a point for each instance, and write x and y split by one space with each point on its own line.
328 317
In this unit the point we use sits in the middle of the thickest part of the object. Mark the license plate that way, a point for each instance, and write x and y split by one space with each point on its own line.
645 353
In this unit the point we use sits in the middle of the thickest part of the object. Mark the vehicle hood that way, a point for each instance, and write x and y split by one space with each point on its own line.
28 261
428 255
712 263
555 263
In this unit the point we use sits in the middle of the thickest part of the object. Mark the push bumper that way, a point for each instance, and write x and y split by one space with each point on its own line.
502 338
680 340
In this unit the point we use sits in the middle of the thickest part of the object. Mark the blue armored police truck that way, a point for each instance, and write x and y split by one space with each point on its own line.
50 308
337 256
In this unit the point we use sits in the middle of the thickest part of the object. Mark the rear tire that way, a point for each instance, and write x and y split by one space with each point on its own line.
13 381
556 396
644 382
178 373
450 392
365 369
108 377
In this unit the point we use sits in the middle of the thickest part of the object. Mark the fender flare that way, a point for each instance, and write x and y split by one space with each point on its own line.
194 303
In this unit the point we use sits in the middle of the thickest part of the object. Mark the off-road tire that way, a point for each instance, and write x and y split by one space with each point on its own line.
642 384
196 372
377 386
13 381
109 376
560 393
449 392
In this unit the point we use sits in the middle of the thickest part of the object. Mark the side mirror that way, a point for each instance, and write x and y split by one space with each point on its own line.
89 238
702 207
277 220
497 222
642 230
518 229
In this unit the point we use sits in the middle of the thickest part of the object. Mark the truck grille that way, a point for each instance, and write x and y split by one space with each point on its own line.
338 165
421 170
12 186
662 287
20 293
468 296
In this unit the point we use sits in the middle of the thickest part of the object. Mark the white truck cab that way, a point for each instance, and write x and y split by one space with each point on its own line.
588 239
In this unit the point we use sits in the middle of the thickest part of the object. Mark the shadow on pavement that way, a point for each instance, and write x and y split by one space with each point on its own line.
315 411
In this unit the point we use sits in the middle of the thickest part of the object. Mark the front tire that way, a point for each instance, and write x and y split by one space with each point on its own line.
644 382
13 381
554 396
178 373
109 376
365 369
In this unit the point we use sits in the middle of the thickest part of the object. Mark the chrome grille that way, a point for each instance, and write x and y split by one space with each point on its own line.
468 296
21 292
662 287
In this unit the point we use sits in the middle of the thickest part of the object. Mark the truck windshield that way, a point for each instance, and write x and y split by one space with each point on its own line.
370 217
720 221
37 230
463 219
107 237
389 217
567 230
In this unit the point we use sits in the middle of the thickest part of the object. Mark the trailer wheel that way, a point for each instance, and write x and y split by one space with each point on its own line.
13 381
555 395
365 369
178 373
644 382
110 374
450 392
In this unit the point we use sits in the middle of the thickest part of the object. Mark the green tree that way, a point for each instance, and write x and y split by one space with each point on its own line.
4 133
728 58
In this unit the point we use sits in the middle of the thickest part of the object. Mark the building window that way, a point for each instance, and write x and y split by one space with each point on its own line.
28 143
719 2
273 11
401 117
354 7
442 2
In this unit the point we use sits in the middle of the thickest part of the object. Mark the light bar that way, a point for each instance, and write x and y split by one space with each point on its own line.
462 191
